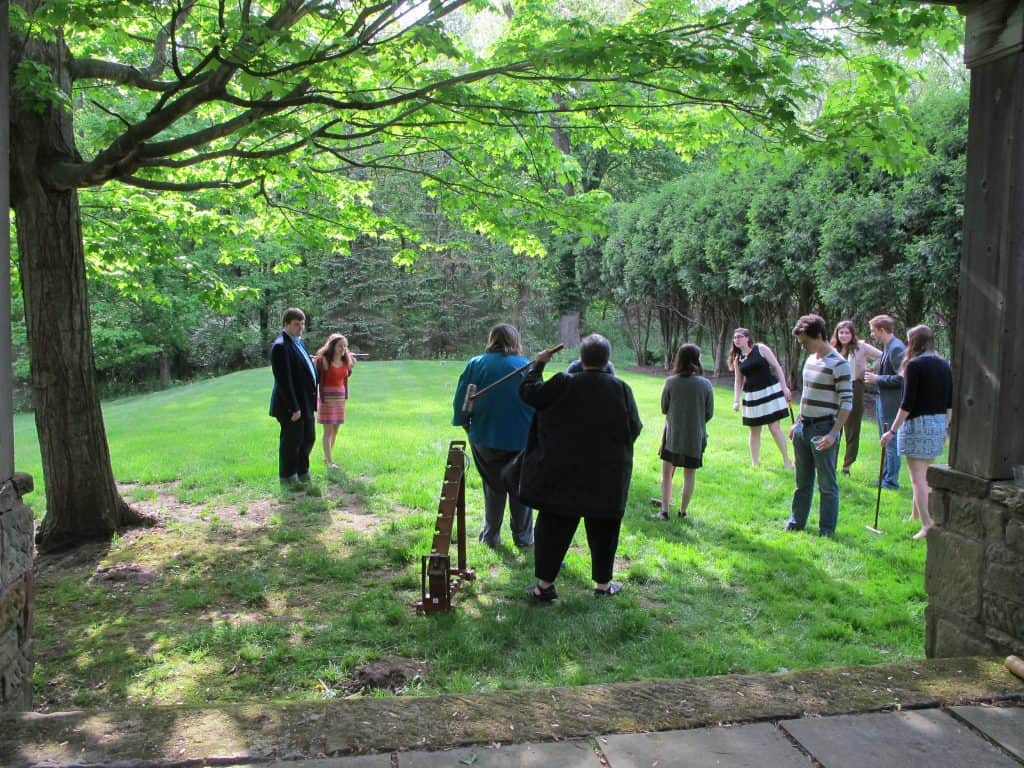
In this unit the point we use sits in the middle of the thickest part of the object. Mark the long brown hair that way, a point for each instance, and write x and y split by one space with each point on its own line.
920 339
688 361
734 353
504 338
854 344
325 355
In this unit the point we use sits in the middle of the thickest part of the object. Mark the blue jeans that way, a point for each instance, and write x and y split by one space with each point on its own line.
810 461
891 471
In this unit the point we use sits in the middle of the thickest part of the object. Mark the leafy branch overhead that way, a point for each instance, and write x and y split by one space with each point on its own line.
181 95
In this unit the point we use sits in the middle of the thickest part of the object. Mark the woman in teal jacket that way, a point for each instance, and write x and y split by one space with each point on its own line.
497 425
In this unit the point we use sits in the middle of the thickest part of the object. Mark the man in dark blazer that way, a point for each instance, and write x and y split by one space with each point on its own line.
293 400
889 380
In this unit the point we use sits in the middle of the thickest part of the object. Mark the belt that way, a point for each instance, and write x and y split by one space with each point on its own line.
816 419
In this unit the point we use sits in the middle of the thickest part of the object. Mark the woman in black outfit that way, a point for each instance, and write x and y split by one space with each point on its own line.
578 467
922 423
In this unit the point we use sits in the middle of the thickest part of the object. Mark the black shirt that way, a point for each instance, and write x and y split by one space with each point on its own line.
927 386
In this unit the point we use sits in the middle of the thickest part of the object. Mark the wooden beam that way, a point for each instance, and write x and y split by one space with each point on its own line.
988 358
995 28
6 370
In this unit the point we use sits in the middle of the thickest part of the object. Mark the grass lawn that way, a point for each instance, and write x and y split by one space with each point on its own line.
243 593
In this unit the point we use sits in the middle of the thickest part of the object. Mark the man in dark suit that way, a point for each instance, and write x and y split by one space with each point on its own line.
293 400
889 380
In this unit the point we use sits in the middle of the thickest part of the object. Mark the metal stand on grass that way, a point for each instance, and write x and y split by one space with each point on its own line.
438 580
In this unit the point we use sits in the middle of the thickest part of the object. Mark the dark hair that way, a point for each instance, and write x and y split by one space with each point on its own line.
812 325
734 353
292 313
885 322
920 339
504 338
688 361
595 350
854 341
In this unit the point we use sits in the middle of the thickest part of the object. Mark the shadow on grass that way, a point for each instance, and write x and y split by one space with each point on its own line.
288 608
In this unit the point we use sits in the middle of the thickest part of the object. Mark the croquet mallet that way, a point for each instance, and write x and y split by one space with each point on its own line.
878 501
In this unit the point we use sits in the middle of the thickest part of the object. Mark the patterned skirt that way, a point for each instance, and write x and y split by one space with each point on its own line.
765 406
922 437
330 405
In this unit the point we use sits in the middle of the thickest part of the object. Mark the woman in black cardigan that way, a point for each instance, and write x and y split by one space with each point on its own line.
579 464
922 422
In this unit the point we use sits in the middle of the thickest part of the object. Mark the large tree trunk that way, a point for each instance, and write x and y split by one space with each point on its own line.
82 501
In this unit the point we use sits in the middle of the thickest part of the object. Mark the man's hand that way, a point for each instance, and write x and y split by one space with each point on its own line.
544 356
296 415
870 376
825 442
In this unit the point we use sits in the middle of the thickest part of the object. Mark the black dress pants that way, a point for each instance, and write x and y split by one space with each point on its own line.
294 446
552 536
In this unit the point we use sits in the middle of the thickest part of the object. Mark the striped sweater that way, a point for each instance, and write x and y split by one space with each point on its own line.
828 386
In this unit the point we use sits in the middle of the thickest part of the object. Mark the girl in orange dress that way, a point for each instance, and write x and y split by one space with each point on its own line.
334 364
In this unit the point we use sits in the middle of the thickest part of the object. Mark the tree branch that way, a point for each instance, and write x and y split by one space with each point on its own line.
170 186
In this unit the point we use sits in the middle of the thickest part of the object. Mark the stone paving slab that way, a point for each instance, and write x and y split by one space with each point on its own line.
745 746
363 761
1004 725
928 738
556 754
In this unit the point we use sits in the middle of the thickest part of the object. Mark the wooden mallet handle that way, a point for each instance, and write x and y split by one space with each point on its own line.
470 397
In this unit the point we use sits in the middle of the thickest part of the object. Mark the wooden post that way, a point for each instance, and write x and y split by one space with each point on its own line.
6 370
975 558
988 357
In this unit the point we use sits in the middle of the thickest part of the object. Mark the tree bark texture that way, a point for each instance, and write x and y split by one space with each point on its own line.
82 501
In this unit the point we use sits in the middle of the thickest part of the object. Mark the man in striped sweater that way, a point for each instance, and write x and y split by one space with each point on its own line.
825 405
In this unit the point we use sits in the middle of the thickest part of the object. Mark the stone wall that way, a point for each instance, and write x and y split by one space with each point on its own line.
975 568
15 595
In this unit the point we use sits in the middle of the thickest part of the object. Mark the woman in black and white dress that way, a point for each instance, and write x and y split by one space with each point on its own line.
761 390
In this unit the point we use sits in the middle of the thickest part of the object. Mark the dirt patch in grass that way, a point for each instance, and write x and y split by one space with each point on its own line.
391 675
123 574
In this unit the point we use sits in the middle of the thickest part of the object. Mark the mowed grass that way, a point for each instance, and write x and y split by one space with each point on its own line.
244 593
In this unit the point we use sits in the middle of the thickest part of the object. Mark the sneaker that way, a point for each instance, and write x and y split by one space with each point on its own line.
613 589
792 527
